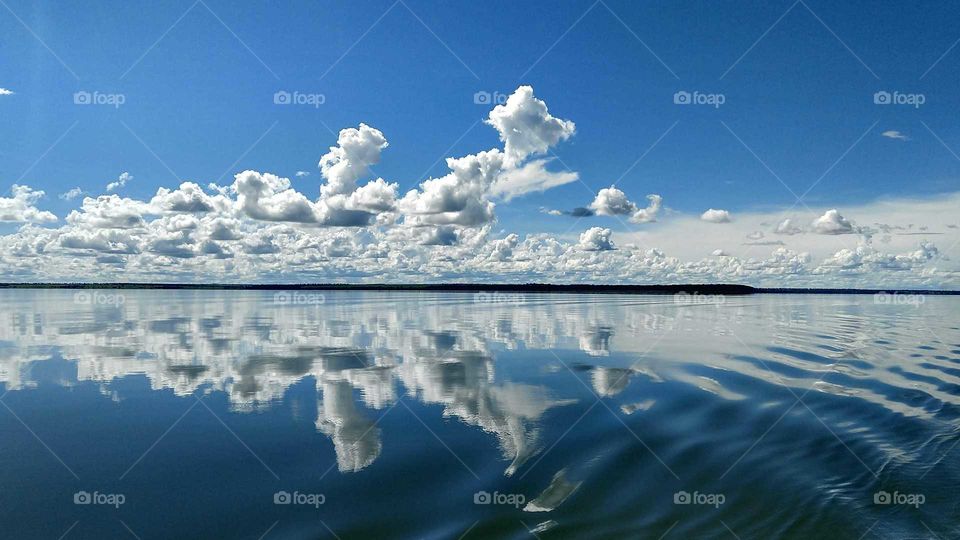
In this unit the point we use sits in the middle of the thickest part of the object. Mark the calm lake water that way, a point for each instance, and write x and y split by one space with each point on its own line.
193 414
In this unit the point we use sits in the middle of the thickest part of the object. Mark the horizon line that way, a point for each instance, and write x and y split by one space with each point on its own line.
532 287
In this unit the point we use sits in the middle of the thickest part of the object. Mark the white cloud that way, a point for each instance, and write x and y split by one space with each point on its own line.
893 134
526 127
831 222
716 216
268 197
614 202
109 212
460 197
531 177
787 227
20 208
375 197
260 228
189 197
5 92
648 214
301 174
596 239
120 182
357 149
72 194
111 241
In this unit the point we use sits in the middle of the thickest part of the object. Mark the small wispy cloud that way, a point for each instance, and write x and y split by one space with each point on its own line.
121 181
301 174
72 194
894 134
6 92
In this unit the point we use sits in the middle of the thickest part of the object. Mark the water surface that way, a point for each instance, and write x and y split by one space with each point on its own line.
199 414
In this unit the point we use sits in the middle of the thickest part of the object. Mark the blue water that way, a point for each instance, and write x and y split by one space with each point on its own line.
159 414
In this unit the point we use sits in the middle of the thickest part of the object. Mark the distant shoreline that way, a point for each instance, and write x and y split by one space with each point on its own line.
725 289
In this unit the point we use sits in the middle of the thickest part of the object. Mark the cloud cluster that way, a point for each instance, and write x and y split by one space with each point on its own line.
120 182
613 202
259 228
831 222
20 208
526 127
716 216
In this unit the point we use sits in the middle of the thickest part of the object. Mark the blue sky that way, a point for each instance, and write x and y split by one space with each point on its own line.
198 82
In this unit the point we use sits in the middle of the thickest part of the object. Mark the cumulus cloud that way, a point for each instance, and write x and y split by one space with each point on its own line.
716 216
866 259
356 150
268 197
71 194
301 174
5 92
787 227
648 214
614 202
596 239
120 182
463 196
110 241
893 134
21 207
189 197
109 212
832 222
376 197
531 177
260 228
460 197
526 127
